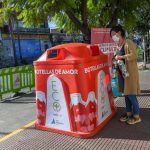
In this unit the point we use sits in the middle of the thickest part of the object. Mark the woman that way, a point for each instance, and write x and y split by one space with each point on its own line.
129 85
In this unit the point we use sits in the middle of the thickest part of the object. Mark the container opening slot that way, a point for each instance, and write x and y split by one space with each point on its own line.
53 53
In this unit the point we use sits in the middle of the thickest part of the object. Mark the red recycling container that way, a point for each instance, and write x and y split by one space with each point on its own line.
73 90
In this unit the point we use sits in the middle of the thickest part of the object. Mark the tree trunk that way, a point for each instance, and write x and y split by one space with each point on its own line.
83 28
144 52
84 12
13 42
114 16
19 46
85 20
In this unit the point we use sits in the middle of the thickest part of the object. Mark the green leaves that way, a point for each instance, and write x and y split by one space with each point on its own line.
99 13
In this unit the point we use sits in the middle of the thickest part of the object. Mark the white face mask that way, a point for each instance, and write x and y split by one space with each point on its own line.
115 38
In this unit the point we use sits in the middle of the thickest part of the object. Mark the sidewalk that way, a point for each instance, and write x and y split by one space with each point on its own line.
17 112
115 135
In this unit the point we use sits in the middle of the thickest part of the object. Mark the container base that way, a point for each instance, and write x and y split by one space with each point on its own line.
77 134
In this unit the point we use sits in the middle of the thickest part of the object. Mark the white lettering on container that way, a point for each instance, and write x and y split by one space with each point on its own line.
56 71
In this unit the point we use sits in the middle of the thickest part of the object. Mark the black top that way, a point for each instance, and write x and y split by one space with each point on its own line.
121 52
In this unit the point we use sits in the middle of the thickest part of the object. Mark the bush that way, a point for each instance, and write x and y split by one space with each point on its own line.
140 53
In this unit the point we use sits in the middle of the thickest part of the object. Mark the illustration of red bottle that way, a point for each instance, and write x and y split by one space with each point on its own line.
84 111
41 107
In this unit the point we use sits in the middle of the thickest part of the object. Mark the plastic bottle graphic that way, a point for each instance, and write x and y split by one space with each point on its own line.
57 114
103 101
84 111
78 109
41 107
102 92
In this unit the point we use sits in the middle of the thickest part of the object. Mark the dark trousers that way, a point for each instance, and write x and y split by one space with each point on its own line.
131 102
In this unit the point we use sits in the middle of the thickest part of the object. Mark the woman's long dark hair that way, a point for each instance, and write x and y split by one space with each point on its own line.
117 29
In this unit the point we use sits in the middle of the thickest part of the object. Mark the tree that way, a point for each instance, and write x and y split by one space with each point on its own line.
6 17
78 15
143 26
143 18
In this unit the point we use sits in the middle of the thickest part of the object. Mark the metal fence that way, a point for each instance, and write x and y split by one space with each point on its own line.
16 79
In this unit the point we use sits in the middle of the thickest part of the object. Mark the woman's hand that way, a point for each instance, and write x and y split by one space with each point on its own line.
119 57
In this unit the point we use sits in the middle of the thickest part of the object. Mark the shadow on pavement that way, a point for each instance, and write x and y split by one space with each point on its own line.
118 130
25 94
21 98
4 133
19 101
145 91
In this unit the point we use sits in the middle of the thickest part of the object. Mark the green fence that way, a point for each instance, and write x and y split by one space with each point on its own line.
16 79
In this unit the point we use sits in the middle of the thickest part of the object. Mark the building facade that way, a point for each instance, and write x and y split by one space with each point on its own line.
30 43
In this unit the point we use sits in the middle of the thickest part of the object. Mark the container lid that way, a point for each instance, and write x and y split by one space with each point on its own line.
69 54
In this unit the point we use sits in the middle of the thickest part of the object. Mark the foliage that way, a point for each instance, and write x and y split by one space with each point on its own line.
80 15
7 15
143 18
140 53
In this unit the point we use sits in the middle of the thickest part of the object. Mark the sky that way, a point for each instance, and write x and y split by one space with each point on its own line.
52 25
